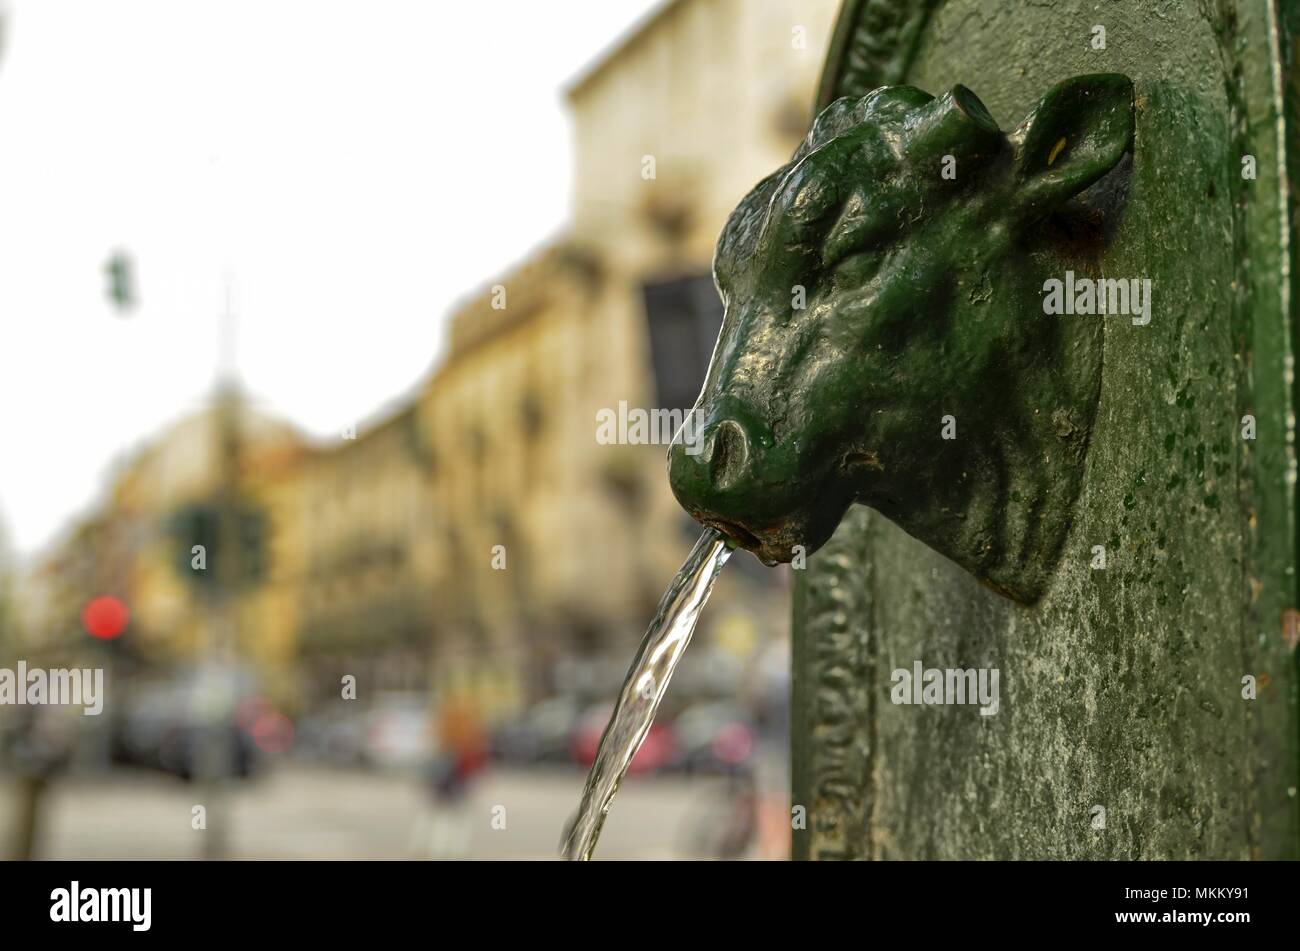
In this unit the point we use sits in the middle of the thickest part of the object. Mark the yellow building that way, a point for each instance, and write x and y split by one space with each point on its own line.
370 563
717 93
517 482
348 558
56 588
129 547
559 545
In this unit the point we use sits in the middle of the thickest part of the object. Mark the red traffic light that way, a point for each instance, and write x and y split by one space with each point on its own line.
105 618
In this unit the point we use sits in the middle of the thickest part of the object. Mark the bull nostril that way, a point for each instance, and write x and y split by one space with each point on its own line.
728 453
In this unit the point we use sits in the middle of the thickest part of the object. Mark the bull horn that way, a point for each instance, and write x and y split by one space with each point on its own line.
956 123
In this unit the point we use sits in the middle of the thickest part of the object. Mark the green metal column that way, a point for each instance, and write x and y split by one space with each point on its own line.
1126 726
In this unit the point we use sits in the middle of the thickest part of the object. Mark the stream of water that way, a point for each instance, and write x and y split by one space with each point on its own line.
647 680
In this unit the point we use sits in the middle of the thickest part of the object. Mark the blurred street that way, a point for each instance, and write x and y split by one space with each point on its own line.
353 525
318 812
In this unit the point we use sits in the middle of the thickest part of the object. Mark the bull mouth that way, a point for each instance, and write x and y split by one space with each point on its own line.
736 533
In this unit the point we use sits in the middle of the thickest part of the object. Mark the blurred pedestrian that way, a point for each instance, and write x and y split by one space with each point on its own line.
41 748
461 756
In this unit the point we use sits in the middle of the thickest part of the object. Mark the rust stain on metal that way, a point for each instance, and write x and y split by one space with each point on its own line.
1291 628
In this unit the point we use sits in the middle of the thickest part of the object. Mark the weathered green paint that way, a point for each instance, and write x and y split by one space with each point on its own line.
1121 688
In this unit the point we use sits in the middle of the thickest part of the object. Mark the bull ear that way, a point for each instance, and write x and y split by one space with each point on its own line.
1076 134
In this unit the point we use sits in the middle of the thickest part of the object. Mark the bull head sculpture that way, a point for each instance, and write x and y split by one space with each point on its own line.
884 340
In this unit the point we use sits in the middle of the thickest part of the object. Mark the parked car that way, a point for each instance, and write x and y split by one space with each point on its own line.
543 734
657 751
207 718
395 731
399 731
714 737
337 737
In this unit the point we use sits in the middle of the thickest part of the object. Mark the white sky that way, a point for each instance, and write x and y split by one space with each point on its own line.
356 167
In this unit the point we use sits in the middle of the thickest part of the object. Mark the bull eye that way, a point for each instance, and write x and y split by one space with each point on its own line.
861 227
811 202
854 270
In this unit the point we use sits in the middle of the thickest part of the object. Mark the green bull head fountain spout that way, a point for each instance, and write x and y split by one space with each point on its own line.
885 340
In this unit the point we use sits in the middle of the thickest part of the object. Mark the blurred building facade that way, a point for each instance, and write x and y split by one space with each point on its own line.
135 547
481 539
367 586
671 128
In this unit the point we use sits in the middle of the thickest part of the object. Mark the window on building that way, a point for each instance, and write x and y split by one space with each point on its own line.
684 316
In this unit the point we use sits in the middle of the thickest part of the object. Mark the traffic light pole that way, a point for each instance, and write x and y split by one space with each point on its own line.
215 760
